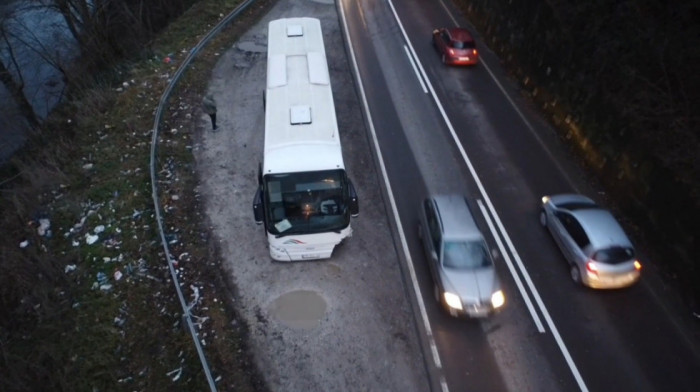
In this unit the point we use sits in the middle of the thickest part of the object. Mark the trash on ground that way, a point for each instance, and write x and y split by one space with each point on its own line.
175 374
43 229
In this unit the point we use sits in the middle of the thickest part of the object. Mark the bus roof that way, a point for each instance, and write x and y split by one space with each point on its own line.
301 130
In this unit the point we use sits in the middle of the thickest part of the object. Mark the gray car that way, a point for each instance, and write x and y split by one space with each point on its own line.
598 251
464 277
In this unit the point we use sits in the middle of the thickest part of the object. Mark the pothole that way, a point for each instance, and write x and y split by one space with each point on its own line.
300 309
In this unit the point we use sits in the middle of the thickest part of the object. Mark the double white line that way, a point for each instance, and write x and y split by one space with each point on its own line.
490 215
501 232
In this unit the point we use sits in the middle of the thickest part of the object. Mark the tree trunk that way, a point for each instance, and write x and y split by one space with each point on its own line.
16 90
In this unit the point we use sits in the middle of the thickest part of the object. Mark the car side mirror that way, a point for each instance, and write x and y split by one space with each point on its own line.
353 204
258 206
433 256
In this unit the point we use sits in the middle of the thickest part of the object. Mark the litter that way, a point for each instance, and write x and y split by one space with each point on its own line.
43 229
102 278
99 229
70 268
177 373
119 322
194 302
91 239
24 244
117 275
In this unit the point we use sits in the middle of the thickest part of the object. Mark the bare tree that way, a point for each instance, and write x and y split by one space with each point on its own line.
14 82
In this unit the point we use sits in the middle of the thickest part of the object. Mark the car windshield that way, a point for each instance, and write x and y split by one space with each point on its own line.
573 206
614 255
465 255
463 44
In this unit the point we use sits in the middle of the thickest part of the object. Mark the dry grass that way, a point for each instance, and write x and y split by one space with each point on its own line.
68 322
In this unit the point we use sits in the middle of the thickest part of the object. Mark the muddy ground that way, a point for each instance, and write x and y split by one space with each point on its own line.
339 324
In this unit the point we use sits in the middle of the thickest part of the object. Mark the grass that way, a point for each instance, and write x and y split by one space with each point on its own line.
71 324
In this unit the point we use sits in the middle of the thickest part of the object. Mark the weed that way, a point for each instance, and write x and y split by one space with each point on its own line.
90 305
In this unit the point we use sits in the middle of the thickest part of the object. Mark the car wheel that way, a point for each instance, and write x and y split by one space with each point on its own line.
575 273
543 218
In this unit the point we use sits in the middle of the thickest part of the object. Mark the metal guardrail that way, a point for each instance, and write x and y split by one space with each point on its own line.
154 183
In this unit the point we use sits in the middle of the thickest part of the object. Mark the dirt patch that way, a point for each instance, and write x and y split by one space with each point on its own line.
365 338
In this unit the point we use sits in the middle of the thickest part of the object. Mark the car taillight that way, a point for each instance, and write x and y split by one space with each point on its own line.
452 52
474 52
591 267
637 265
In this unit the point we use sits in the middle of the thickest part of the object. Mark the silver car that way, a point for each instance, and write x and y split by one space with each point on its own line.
598 251
464 277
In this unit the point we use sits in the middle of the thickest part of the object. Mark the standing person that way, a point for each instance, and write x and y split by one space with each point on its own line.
209 106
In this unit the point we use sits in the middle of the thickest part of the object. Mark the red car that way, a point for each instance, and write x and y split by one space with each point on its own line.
456 46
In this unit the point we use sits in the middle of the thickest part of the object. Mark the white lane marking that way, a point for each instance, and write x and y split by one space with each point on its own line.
443 384
413 64
462 152
511 268
436 356
517 110
482 190
394 210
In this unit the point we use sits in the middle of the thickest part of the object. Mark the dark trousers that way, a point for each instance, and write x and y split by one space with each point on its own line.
213 120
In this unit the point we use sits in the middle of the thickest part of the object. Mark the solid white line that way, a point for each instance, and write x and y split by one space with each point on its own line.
443 384
436 356
413 64
482 190
511 268
392 201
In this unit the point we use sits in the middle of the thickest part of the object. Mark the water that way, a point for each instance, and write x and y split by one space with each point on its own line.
40 41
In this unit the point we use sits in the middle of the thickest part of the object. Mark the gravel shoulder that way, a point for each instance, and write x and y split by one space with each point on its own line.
341 324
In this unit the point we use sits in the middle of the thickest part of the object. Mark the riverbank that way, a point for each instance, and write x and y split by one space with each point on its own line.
87 299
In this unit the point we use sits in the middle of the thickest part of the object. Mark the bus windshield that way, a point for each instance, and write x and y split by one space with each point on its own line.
306 202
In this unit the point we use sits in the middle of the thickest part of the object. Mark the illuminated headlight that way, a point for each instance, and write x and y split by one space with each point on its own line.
453 301
498 299
545 199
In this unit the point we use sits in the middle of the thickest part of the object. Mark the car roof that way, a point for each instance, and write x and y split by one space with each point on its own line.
460 34
602 228
456 218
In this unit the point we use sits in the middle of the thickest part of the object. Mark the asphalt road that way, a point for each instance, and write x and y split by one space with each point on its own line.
553 335
406 134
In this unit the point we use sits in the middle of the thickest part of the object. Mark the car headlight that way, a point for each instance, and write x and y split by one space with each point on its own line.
545 199
453 301
498 299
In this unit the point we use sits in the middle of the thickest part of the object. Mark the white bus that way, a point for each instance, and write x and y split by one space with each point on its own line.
304 198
